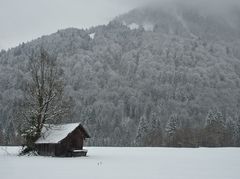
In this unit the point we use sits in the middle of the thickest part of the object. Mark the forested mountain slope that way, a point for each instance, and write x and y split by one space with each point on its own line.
149 77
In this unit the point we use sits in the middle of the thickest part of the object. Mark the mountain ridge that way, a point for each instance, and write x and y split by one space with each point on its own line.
125 81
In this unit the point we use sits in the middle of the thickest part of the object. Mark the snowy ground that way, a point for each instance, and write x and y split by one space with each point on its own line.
126 163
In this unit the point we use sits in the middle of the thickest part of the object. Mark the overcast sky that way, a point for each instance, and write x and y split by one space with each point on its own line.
25 20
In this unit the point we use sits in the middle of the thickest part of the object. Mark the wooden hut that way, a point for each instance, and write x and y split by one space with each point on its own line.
62 140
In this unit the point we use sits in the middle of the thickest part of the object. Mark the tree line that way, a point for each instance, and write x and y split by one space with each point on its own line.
216 132
123 79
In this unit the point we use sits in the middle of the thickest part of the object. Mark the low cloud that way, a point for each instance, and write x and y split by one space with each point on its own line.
213 5
25 20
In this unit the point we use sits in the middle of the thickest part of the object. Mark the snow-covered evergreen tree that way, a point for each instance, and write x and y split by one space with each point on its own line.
155 130
1 135
230 131
237 133
10 135
171 126
142 132
215 129
210 119
171 129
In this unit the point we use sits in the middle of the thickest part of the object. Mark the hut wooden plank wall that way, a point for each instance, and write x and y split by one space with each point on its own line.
61 140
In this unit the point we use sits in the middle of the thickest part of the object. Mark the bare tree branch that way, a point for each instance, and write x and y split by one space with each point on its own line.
44 98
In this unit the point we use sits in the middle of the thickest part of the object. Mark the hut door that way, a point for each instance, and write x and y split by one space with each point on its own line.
77 141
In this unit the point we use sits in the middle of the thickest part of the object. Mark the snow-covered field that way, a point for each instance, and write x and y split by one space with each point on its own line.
126 163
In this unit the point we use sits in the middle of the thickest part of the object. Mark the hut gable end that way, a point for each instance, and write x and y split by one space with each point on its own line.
61 140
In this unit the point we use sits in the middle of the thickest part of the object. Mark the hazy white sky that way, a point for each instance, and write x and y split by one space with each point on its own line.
24 20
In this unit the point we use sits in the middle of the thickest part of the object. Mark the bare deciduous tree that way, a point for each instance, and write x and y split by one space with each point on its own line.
44 100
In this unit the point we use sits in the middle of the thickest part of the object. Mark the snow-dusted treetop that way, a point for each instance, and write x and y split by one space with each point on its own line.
55 133
92 35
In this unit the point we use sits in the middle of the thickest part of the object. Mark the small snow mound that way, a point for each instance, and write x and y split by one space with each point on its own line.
92 35
148 27
133 26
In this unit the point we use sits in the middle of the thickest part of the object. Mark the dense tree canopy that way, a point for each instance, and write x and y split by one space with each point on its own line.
121 75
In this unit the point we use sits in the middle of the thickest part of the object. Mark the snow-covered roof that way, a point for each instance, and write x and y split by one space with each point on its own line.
52 134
